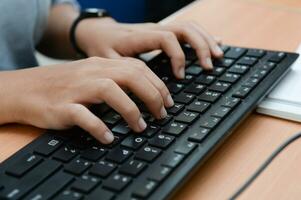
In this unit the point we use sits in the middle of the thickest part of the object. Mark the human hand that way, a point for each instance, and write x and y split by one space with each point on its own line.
106 38
56 97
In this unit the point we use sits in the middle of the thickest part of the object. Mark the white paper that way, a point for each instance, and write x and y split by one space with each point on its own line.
285 100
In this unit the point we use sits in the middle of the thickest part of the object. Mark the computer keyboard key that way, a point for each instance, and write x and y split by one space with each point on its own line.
161 141
101 194
205 79
103 168
187 117
93 153
189 52
217 71
267 66
209 96
174 128
77 167
194 70
51 187
85 183
65 153
162 122
175 88
277 57
49 146
238 69
187 79
133 142
223 62
145 188
229 77
235 53
246 60
175 109
209 122
23 165
148 153
221 112
159 173
185 147
258 53
117 182
111 118
121 128
184 98
199 135
260 74
198 106
230 102
220 87
251 82
242 92
117 140
118 155
69 195
150 130
132 167
195 89
31 180
172 160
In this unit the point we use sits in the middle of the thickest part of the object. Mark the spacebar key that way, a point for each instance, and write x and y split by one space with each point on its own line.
30 180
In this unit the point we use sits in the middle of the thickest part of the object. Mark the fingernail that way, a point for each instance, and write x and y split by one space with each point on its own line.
142 123
163 112
182 73
219 50
170 101
209 62
108 136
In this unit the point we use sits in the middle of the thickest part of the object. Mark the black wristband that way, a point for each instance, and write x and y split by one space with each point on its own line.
88 13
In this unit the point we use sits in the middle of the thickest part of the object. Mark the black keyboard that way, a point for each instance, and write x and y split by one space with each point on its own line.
70 164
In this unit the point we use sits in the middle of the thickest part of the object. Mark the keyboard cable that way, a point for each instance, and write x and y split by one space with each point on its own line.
264 165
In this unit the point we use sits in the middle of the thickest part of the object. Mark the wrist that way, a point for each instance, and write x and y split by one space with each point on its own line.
7 101
83 32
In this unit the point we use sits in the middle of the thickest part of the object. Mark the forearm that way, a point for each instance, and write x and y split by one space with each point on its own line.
55 41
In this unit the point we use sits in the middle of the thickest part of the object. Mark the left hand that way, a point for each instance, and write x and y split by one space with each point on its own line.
106 38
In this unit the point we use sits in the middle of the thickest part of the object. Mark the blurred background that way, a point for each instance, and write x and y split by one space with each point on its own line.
134 11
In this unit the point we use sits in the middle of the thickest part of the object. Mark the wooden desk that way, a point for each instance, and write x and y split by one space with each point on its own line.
273 24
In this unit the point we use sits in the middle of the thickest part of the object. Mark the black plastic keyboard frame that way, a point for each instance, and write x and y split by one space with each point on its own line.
190 165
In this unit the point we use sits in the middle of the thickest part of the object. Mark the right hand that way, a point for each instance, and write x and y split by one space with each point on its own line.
55 97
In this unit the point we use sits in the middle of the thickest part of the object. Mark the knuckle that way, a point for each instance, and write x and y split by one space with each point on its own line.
167 35
74 111
106 83
156 97
179 56
131 110
162 88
